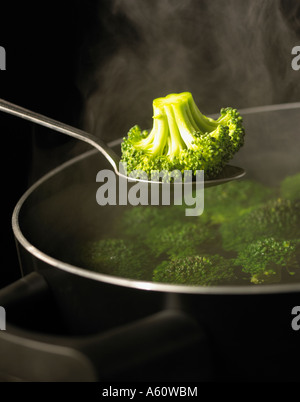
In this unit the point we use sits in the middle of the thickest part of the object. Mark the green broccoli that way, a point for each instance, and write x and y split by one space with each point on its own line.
265 260
182 138
179 239
278 218
117 257
196 270
290 187
234 199
141 219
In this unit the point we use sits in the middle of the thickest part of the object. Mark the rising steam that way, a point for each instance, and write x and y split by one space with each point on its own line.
227 53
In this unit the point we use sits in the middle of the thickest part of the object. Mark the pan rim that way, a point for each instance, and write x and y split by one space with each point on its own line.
132 283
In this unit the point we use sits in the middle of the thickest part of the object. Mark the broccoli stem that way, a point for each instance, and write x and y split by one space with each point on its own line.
175 143
184 124
156 141
204 124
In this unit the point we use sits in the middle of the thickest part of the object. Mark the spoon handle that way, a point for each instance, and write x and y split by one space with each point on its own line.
63 128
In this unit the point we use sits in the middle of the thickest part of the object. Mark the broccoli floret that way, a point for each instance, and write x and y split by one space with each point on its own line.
179 239
267 260
166 231
182 138
142 219
116 257
234 199
196 270
277 218
290 187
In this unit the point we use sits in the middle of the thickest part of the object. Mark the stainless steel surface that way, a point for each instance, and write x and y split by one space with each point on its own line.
63 128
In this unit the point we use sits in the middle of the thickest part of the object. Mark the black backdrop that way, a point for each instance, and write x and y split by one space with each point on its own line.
41 42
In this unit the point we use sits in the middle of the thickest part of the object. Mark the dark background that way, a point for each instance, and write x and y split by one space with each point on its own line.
41 42
98 65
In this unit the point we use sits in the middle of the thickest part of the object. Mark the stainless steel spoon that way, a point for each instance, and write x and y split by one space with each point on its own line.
229 172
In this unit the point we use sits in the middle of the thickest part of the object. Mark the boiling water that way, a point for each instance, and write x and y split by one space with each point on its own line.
248 234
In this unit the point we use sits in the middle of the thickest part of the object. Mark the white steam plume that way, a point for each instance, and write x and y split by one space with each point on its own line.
227 53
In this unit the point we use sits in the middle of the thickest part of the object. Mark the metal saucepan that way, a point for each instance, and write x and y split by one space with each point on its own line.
244 327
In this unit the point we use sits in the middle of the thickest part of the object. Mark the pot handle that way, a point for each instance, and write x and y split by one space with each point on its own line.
29 287
165 346
20 298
